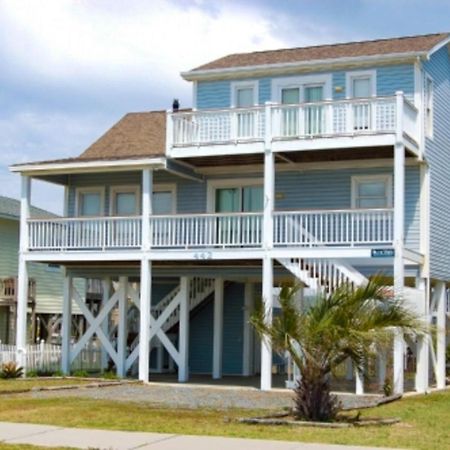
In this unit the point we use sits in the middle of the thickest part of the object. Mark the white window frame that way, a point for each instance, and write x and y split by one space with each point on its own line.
350 76
238 183
385 178
126 188
325 80
428 119
89 190
253 84
164 187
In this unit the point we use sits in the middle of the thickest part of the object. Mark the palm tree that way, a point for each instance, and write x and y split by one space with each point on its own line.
343 325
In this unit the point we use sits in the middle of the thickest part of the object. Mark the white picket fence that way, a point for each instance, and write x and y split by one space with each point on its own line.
45 357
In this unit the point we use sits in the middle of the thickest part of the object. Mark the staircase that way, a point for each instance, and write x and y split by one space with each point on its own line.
199 290
323 275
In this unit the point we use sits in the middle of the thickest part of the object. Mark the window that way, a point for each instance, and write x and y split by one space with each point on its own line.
303 89
429 106
239 199
361 84
125 201
90 202
372 191
245 95
164 200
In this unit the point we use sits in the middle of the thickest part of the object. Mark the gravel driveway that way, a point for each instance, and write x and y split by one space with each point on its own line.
194 396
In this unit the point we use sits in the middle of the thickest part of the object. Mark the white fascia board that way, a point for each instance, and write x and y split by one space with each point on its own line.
201 75
438 46
87 166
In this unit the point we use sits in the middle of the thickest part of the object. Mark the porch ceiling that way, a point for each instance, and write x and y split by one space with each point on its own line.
346 154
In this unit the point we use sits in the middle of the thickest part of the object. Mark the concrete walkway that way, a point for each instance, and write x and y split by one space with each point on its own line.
50 436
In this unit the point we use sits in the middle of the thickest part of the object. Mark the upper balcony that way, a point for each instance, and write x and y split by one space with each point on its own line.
362 122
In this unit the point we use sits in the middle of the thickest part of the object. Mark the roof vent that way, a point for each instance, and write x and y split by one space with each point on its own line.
175 105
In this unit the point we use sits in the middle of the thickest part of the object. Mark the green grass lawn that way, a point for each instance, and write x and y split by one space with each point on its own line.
21 384
425 421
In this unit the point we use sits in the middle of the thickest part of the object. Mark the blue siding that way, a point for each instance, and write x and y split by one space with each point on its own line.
201 334
299 190
339 82
213 94
437 152
265 90
201 339
392 78
332 190
396 78
191 195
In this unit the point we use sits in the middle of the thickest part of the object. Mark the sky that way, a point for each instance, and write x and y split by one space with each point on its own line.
70 69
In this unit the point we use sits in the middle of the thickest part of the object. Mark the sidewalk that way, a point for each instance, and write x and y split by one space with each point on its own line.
45 435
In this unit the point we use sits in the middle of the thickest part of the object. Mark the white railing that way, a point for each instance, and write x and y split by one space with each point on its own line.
46 358
206 230
305 120
217 126
85 233
339 227
219 230
410 114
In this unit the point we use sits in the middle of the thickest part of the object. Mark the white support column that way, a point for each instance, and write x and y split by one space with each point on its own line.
106 293
218 328
441 320
122 330
399 227
144 323
423 343
266 346
147 209
381 367
22 282
359 383
269 181
248 342
399 362
183 367
66 327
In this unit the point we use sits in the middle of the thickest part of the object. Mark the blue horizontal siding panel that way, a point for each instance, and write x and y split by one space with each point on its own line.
437 152
392 78
213 94
396 78
233 323
327 189
201 333
265 90
339 85
201 339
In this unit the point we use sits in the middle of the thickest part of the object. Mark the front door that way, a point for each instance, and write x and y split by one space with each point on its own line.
314 114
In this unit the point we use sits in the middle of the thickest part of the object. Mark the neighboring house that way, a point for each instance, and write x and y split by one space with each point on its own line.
47 281
326 164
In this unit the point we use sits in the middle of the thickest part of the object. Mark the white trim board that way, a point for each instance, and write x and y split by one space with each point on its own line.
301 81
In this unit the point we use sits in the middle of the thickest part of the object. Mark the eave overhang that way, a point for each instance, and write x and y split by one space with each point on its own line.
291 67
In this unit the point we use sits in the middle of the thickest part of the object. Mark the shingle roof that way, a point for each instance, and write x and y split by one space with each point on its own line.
399 45
10 209
135 135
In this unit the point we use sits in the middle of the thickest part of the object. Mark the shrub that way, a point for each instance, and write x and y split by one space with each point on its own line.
32 373
109 375
57 373
80 374
11 370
